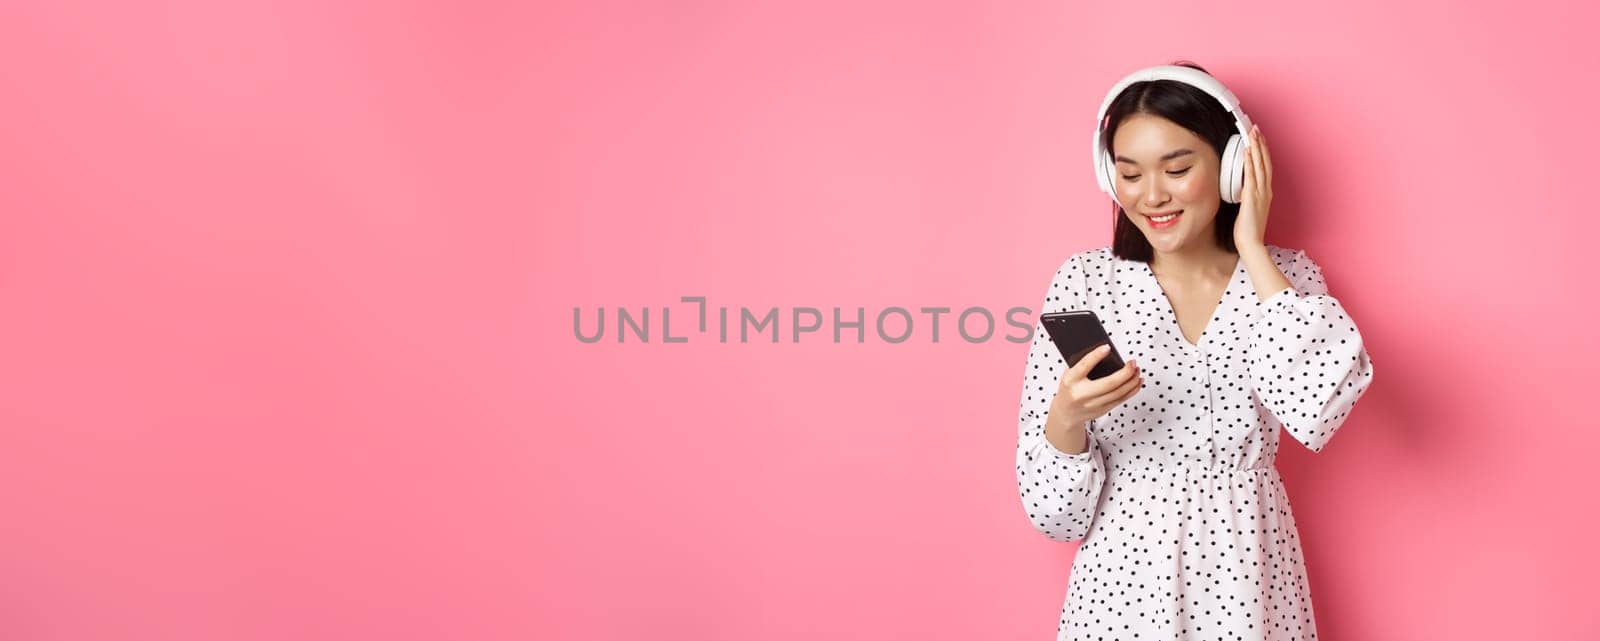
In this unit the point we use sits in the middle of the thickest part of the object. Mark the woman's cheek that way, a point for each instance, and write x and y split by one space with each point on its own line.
1129 197
1190 189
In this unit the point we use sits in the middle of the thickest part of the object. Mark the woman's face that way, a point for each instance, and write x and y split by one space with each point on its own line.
1162 168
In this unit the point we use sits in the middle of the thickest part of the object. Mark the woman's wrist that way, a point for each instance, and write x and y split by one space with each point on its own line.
1071 436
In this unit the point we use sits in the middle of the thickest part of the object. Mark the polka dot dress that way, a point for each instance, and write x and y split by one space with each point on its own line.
1186 529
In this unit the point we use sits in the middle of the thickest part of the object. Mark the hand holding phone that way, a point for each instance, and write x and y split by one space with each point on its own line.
1082 395
1081 398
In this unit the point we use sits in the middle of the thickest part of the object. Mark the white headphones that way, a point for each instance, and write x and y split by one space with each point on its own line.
1232 173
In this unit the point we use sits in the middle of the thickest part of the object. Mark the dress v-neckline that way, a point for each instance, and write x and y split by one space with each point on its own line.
1172 313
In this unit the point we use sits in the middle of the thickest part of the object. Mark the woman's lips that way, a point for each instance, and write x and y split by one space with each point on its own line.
1164 225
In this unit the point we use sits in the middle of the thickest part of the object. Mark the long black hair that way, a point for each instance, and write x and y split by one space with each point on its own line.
1191 108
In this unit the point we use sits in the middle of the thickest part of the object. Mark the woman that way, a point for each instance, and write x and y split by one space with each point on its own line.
1165 469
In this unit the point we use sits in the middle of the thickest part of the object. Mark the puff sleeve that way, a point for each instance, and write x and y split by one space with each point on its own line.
1059 491
1307 362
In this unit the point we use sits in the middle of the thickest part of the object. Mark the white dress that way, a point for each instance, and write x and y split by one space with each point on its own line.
1186 528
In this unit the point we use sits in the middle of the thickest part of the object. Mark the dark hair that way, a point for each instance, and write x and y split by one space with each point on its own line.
1191 108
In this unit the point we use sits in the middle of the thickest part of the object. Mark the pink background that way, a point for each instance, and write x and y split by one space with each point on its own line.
288 288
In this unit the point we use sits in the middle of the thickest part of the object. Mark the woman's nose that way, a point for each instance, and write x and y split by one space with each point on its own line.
1154 195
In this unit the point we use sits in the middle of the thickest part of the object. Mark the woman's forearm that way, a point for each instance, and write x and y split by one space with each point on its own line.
1069 437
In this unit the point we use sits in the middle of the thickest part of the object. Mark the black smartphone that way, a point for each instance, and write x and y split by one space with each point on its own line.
1076 333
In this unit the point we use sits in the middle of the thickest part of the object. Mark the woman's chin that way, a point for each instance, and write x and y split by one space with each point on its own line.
1164 239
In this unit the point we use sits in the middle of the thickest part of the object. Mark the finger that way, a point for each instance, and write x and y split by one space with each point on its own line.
1129 392
1093 357
1082 367
1116 395
1266 160
1259 158
1249 172
1255 157
1104 385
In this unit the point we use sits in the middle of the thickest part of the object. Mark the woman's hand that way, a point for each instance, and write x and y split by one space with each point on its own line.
1079 399
1250 230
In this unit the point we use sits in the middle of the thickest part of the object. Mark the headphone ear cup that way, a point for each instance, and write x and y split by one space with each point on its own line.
1231 174
1108 180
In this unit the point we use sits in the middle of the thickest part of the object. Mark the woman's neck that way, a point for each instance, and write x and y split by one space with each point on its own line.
1199 263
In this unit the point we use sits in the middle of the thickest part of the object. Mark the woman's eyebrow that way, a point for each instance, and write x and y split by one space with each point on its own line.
1170 156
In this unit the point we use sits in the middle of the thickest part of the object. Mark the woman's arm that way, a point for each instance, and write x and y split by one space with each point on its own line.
1059 491
1307 361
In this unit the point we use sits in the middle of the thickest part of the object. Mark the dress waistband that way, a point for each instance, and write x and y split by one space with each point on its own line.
1188 468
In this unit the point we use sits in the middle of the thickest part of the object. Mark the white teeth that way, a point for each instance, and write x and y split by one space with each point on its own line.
1162 219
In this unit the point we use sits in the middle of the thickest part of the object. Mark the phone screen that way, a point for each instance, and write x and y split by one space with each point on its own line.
1076 333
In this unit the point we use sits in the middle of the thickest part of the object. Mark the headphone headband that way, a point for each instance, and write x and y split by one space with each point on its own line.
1232 174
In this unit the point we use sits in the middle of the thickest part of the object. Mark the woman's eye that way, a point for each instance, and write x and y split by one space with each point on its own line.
1178 172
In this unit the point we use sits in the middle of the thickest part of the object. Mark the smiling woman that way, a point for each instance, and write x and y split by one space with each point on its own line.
1179 179
1164 167
1166 469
